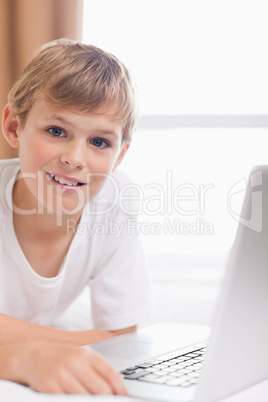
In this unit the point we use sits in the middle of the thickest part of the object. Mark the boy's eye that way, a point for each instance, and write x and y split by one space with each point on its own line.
56 132
99 143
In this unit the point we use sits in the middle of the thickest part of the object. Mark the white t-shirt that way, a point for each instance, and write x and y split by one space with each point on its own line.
105 254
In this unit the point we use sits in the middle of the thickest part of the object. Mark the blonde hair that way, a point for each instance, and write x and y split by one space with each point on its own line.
80 77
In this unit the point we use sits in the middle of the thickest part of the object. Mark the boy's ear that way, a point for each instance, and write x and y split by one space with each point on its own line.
10 126
121 156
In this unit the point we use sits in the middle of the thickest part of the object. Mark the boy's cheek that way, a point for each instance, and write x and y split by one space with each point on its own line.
31 151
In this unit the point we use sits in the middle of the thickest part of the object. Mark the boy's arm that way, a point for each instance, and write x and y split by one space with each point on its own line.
14 330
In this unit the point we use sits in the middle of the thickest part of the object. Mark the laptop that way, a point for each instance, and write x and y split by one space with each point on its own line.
176 362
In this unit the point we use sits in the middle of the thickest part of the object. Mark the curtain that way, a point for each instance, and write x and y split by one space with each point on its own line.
24 26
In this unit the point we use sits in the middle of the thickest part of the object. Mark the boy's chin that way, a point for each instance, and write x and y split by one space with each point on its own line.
64 209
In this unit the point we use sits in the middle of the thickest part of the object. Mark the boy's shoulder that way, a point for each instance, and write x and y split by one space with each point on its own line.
117 187
115 182
8 168
9 162
121 178
8 172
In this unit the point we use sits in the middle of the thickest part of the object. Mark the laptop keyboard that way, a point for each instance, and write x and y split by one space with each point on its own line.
180 371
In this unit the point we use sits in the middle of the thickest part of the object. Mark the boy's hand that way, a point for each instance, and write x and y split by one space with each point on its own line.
53 368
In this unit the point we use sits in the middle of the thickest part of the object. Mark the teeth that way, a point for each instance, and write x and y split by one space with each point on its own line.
71 183
62 181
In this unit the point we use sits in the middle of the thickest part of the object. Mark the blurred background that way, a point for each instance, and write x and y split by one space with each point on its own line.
201 69
24 26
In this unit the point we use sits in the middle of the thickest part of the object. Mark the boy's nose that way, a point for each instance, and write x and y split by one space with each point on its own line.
74 156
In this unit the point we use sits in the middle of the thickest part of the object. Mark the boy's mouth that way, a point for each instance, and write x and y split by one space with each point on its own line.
65 182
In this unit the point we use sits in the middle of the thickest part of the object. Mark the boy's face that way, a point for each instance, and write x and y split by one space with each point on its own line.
65 157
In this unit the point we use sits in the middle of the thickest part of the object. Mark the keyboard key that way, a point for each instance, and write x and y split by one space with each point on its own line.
195 360
180 366
136 375
197 366
177 381
194 381
188 363
161 366
127 371
153 369
194 374
170 369
185 357
153 361
169 363
179 359
186 384
144 365
166 378
185 371
161 373
150 377
156 380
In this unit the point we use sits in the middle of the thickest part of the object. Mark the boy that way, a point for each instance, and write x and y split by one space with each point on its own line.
71 116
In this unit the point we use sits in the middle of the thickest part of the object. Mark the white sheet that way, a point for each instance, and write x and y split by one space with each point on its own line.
11 392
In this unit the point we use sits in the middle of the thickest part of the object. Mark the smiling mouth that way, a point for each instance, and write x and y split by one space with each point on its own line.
64 182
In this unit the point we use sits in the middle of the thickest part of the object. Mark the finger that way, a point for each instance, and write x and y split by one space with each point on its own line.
84 378
73 385
66 382
106 371
47 387
97 384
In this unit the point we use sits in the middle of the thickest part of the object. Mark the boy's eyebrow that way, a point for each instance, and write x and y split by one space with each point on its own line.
106 132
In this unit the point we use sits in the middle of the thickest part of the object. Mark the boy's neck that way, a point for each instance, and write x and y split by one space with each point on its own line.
50 224
43 243
30 214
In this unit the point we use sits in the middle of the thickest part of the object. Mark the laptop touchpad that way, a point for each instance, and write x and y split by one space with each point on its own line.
126 349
